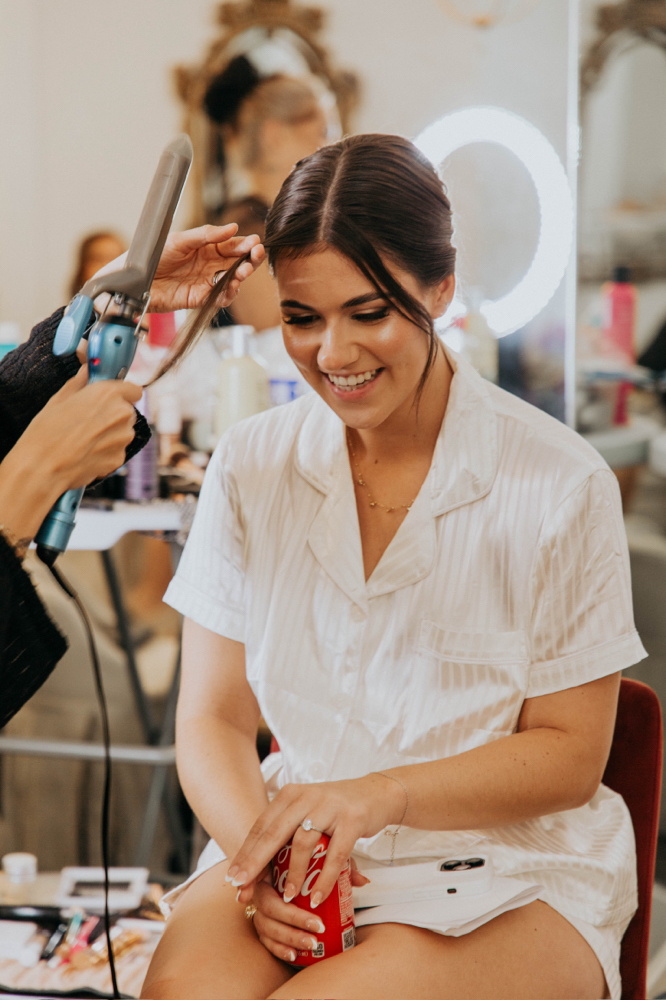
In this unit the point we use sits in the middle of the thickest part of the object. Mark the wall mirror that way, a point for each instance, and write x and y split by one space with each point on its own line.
623 166
622 187
274 37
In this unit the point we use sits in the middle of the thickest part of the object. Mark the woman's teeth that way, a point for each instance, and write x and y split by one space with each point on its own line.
351 381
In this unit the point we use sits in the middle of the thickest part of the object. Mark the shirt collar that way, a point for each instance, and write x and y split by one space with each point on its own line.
465 459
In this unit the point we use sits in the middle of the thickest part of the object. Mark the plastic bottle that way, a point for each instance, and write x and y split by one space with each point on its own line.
480 343
619 315
286 382
161 329
243 385
619 321
169 425
141 481
20 871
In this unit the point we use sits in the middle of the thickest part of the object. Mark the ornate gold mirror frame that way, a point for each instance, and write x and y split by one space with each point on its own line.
234 18
637 19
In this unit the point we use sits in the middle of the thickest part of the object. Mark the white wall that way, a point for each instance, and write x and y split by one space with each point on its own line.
86 104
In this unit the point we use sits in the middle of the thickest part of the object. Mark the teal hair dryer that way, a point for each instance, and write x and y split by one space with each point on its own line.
113 338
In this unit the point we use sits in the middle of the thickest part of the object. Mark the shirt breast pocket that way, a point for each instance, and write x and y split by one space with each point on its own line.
467 689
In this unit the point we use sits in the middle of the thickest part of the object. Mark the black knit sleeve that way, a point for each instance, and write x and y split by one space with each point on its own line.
30 643
30 375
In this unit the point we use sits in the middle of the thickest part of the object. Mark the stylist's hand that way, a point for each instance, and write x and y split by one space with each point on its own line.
345 810
189 262
282 927
80 435
83 431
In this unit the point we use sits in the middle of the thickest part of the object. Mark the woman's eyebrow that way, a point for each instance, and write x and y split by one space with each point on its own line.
359 300
294 304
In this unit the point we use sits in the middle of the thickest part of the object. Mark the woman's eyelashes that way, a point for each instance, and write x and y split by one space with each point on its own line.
308 319
372 317
300 320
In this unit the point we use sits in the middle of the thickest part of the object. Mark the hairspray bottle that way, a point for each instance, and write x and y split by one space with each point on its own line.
141 481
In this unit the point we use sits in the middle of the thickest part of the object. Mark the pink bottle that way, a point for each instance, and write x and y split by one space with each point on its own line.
619 298
161 329
619 312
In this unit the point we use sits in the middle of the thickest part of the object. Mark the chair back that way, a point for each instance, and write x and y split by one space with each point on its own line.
634 771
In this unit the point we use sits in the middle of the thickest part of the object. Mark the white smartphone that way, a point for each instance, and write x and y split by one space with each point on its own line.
448 877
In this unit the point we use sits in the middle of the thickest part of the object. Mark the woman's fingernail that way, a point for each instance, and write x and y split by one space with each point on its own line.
289 892
238 894
230 874
315 900
291 956
240 879
366 880
309 943
316 925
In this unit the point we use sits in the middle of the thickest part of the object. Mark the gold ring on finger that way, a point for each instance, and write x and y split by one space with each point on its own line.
250 910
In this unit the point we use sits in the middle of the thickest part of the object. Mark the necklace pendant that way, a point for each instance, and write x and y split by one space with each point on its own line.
372 503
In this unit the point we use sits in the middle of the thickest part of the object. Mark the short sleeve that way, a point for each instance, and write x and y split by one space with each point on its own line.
582 616
209 584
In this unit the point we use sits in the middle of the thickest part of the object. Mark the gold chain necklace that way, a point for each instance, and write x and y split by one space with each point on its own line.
361 482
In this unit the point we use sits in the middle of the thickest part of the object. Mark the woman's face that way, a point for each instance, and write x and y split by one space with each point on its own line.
353 347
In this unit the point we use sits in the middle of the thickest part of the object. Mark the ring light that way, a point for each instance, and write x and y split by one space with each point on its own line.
556 210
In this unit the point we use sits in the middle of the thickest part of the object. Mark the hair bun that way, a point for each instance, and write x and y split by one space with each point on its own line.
227 91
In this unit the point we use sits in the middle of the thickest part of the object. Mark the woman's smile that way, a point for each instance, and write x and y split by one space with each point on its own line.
354 385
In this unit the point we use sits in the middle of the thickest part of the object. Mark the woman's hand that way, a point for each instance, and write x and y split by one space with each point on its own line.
282 927
80 435
345 810
191 260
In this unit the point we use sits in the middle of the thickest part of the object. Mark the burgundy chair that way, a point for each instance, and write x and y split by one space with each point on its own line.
634 770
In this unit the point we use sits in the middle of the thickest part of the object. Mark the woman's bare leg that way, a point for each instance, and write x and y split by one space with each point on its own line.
531 953
209 950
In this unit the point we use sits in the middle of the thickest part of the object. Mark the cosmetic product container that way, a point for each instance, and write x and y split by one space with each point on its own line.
619 320
243 383
20 878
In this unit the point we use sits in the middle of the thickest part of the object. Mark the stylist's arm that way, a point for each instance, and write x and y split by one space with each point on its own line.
80 435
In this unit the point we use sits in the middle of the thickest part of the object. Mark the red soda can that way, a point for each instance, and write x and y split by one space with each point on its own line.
336 912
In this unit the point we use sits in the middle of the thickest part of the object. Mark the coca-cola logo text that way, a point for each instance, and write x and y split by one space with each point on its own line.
280 877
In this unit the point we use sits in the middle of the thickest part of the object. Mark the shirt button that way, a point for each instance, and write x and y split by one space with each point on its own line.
357 615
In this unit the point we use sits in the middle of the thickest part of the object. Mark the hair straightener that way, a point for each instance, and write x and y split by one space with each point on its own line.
113 338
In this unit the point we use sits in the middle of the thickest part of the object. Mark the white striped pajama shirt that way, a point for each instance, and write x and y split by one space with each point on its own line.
508 579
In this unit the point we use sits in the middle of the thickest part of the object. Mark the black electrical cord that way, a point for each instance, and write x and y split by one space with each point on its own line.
106 798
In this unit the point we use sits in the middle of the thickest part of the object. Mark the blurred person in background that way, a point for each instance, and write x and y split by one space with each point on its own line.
94 252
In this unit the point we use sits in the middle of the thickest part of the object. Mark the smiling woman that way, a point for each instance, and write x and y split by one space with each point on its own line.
421 582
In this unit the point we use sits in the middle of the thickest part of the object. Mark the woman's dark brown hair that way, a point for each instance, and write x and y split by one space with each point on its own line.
377 200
